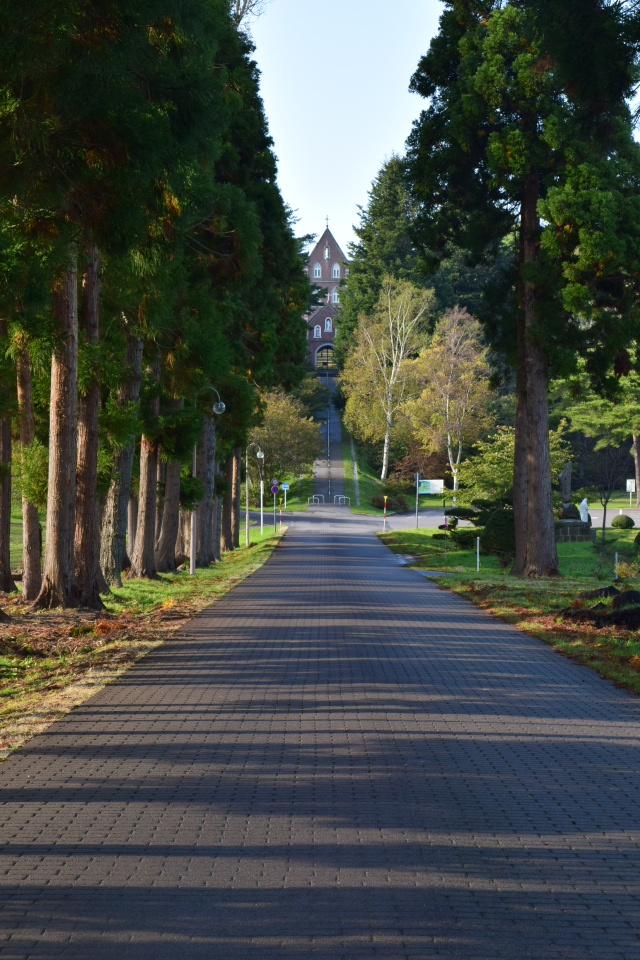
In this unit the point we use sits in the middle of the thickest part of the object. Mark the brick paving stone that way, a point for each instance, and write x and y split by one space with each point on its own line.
337 761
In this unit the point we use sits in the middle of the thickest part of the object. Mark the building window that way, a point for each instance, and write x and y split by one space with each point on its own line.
336 297
317 332
328 326
336 271
317 271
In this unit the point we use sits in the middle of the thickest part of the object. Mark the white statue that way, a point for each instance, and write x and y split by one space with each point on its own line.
584 511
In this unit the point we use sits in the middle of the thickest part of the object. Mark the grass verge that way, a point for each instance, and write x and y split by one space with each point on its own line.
540 607
368 481
54 660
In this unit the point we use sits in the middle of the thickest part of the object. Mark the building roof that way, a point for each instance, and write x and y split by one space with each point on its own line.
335 252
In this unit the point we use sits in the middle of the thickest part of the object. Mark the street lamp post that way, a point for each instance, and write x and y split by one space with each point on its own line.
217 408
260 458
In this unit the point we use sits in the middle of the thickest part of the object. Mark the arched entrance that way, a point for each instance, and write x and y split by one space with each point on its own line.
324 358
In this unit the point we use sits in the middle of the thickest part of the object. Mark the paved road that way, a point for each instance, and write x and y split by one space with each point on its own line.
338 761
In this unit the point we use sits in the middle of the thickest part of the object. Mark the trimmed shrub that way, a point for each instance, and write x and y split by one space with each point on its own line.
499 536
623 522
461 513
465 537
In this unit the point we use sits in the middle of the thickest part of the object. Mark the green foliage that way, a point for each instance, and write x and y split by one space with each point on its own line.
384 248
312 394
191 489
623 522
290 441
466 537
461 513
489 474
31 471
498 537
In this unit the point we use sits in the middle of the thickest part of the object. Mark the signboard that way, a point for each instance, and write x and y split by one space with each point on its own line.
631 486
275 483
431 486
285 486
275 488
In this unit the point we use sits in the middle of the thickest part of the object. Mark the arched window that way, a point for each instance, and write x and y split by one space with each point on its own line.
336 271
328 326
317 271
317 332
324 358
336 296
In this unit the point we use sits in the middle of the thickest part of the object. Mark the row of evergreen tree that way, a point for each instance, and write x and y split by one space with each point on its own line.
522 172
147 260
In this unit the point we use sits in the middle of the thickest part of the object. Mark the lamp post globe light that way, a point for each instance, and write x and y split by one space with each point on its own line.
260 459
218 408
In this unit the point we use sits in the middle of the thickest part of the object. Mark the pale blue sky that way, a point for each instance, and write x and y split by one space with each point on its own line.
335 77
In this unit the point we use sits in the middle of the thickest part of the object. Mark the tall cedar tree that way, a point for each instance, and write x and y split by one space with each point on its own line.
503 134
100 106
384 248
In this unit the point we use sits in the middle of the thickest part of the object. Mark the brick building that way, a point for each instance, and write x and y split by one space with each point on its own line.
327 267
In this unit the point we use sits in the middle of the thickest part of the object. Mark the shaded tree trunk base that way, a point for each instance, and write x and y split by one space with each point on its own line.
51 597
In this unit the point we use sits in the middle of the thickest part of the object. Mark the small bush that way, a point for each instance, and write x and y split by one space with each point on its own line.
499 536
397 488
636 541
484 509
465 537
394 504
623 522
628 571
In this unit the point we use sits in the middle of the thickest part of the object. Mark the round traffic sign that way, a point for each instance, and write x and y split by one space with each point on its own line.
275 488
275 482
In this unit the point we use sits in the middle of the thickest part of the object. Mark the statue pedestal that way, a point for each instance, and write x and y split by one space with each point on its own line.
574 531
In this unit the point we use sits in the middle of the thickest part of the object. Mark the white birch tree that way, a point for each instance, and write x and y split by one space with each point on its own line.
454 406
375 378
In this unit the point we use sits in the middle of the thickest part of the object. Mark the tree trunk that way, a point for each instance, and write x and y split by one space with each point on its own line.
132 525
7 583
31 530
217 530
58 582
227 507
216 527
87 527
207 474
167 541
636 460
541 553
114 521
143 559
237 495
184 532
143 563
385 452
520 465
160 498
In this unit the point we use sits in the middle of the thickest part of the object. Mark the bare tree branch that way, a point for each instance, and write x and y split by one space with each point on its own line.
244 9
